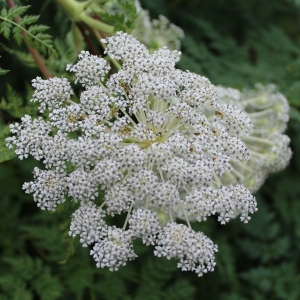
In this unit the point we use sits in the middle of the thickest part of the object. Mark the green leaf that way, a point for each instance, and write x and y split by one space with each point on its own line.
181 289
5 29
124 21
31 271
13 103
27 20
5 153
41 41
17 35
3 72
35 36
16 11
38 28
4 12
129 8
116 20
15 288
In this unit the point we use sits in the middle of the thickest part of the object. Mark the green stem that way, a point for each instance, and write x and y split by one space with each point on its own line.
93 49
96 24
250 138
238 174
185 215
73 8
257 154
101 206
240 165
147 202
261 113
171 217
127 217
75 11
126 114
217 179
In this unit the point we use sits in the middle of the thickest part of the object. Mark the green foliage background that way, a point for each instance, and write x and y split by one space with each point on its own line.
234 43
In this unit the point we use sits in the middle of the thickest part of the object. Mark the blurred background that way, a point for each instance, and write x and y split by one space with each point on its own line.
234 43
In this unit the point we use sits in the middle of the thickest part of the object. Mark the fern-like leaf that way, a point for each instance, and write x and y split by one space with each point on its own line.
125 20
35 36
7 16
5 153
2 71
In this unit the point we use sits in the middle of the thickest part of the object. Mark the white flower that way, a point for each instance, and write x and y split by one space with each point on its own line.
68 118
118 199
157 33
114 249
31 134
228 202
165 196
144 224
90 69
87 222
268 147
48 188
82 185
193 249
107 172
53 92
156 141
56 151
96 100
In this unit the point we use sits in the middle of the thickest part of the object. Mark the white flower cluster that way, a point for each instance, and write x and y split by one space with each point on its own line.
193 249
157 33
155 139
268 146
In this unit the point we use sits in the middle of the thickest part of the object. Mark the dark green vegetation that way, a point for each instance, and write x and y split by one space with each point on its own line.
232 42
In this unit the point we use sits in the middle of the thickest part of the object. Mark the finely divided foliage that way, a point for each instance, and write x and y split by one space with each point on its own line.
155 139
11 22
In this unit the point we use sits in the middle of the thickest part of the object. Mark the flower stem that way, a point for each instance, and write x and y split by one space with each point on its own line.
250 138
217 179
128 214
238 174
260 113
104 202
92 47
185 215
75 11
